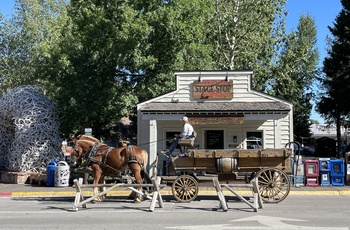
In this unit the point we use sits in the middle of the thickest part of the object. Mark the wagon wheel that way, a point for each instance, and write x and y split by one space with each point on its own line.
273 185
185 188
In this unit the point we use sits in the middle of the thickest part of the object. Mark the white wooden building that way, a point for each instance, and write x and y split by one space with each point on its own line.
223 109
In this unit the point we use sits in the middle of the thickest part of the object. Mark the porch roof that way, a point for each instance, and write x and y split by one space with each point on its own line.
236 107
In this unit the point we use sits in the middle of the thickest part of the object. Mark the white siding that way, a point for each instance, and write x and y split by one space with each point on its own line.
277 129
241 87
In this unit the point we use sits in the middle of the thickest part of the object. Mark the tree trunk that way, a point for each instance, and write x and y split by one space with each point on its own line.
338 136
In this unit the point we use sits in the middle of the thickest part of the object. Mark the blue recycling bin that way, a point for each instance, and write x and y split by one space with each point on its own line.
50 173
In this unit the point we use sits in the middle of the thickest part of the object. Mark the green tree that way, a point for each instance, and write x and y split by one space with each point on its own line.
118 53
295 72
92 71
27 39
98 59
334 103
178 41
313 121
242 43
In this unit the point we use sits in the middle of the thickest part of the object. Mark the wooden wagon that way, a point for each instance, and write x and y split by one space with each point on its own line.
268 166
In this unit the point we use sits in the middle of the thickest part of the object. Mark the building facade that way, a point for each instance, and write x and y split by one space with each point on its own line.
224 110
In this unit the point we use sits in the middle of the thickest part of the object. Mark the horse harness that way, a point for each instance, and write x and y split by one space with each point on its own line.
93 153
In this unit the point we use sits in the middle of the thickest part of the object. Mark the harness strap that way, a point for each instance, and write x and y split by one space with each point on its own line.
132 158
92 153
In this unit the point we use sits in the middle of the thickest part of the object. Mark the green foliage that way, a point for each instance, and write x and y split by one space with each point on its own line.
334 103
241 42
336 65
295 71
98 59
313 121
28 39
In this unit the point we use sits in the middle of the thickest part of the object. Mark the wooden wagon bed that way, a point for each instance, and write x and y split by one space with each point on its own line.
267 166
245 160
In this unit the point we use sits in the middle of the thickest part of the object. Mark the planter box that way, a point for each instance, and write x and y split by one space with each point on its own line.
22 178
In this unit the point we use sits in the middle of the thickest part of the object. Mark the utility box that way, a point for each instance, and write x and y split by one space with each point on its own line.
297 177
311 172
325 171
337 172
347 163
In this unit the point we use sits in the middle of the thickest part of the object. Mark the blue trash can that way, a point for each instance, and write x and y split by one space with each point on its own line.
50 173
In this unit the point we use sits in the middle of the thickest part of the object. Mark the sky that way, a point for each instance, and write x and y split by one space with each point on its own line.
324 13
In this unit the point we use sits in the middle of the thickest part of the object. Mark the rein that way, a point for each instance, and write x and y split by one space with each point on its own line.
156 141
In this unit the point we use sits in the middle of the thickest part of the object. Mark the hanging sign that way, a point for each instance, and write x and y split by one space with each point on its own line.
88 131
217 120
213 89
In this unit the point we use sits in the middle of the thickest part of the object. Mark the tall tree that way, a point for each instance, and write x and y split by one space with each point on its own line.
295 72
178 41
27 39
92 71
109 55
119 53
241 42
334 104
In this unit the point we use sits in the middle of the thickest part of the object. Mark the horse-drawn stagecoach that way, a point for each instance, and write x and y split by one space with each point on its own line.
269 167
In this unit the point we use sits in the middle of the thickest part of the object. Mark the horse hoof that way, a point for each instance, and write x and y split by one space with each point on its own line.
137 201
96 200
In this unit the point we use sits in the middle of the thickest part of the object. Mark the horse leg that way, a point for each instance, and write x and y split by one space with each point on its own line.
102 189
97 176
136 169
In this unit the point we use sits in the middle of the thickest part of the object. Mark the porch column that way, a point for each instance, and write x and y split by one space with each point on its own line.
153 143
277 124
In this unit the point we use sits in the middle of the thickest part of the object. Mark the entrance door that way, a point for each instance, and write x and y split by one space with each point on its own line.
214 139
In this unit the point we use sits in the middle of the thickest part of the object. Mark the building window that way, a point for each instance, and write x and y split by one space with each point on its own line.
254 140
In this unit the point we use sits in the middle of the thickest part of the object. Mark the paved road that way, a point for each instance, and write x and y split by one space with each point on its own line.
296 212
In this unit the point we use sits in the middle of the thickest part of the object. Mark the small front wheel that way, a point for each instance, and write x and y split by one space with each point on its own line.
185 188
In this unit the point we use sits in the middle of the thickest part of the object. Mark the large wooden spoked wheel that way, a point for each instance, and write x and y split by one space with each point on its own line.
185 188
273 185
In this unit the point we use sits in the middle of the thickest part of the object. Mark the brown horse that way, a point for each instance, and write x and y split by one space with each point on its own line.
104 159
84 137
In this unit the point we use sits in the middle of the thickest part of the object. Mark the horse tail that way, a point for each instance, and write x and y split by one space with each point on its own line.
144 172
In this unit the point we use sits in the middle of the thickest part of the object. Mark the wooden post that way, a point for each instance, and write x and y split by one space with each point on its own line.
256 195
256 192
221 196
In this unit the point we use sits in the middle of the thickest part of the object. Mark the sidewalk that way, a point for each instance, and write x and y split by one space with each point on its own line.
29 190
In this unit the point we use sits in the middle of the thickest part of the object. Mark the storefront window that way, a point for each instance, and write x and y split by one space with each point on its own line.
254 140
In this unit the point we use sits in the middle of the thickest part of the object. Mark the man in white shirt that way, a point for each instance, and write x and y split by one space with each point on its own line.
187 133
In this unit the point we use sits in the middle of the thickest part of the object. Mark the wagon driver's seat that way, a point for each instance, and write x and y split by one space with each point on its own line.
188 143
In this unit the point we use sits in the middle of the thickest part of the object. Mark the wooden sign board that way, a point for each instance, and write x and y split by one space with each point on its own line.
217 120
213 89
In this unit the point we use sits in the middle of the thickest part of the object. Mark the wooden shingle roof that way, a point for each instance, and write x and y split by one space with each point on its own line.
216 106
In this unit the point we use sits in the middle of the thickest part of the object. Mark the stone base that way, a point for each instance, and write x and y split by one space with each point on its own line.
22 178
